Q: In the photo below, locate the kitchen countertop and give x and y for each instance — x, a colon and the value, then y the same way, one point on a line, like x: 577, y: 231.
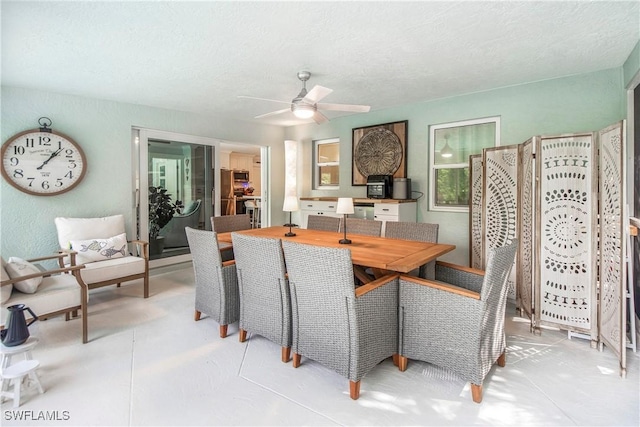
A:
x: 359, y: 200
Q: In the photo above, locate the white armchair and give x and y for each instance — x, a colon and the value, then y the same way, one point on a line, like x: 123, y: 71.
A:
x: 102, y: 247
x: 48, y: 293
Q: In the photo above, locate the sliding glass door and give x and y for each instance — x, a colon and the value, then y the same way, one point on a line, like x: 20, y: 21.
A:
x: 176, y: 189
x: 180, y: 177
x: 178, y: 184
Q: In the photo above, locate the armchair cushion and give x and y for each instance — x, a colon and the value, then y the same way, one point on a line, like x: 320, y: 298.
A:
x: 5, y: 291
x: 80, y: 228
x: 111, y: 269
x: 54, y: 294
x: 92, y: 250
x: 17, y: 267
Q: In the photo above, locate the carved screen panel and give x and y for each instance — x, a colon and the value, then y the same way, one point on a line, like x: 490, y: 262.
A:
x: 500, y: 204
x: 526, y: 210
x: 475, y: 212
x: 612, y: 245
x: 566, y: 168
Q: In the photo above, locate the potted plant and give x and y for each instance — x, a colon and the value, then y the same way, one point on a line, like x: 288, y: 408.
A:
x: 161, y: 210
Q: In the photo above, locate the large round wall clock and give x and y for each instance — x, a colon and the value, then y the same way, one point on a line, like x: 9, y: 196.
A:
x: 42, y: 162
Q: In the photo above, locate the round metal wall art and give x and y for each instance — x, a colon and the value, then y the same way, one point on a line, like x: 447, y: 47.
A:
x: 378, y: 153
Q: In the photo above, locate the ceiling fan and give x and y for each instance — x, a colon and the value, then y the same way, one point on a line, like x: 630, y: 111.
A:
x: 306, y: 105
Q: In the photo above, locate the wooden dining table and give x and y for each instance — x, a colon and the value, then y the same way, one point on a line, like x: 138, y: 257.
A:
x: 381, y: 253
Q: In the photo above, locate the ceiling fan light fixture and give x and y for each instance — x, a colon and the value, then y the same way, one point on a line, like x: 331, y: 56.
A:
x: 307, y: 104
x: 303, y: 111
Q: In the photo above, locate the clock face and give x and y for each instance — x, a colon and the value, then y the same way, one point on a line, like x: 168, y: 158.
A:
x: 42, y: 163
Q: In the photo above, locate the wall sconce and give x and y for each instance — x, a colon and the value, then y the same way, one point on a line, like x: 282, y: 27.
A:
x: 345, y: 207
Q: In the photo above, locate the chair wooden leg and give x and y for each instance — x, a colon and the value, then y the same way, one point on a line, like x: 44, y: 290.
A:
x: 85, y: 324
x: 296, y: 360
x: 476, y: 392
x: 354, y: 389
x: 402, y: 363
x: 197, y: 315
x: 146, y: 286
x: 67, y: 316
x: 396, y: 359
x: 223, y: 331
x: 118, y: 285
x: 243, y: 335
x: 502, y: 360
x: 286, y: 354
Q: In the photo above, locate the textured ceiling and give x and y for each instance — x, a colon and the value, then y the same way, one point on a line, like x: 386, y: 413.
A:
x: 199, y: 56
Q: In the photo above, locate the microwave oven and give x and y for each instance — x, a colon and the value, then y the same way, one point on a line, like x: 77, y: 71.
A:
x: 240, y: 175
x: 379, y: 186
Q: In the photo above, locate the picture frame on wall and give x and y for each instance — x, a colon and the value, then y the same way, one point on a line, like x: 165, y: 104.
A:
x: 379, y: 150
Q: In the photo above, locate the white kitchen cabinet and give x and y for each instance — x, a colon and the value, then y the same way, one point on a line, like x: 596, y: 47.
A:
x: 242, y: 162
x: 317, y: 207
x: 224, y: 160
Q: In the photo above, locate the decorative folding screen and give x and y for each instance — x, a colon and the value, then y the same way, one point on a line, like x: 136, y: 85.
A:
x: 565, y: 294
x: 612, y: 313
x: 476, y: 257
x: 553, y: 187
x: 500, y: 202
x: 527, y: 213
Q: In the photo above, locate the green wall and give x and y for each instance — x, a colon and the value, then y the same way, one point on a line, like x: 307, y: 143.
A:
x: 103, y: 130
x: 631, y: 65
x: 586, y: 102
x: 579, y: 103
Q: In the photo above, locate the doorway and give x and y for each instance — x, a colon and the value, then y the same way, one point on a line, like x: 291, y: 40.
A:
x: 177, y: 185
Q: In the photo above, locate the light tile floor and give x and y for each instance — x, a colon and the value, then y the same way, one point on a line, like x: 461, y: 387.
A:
x: 149, y: 363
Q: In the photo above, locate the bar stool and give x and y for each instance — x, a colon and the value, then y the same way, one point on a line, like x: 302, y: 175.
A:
x: 250, y: 208
x: 16, y: 373
x: 256, y: 213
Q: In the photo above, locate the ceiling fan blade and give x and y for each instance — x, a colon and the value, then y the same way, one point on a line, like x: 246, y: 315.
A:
x: 319, y: 118
x: 316, y: 94
x: 273, y: 113
x: 264, y: 99
x: 344, y: 107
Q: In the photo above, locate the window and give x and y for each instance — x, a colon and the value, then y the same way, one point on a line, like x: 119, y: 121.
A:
x: 451, y: 144
x: 326, y: 164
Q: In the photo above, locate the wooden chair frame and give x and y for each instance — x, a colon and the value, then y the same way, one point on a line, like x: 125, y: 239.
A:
x: 72, y: 269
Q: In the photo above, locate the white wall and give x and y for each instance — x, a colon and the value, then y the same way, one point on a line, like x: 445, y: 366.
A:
x: 103, y: 130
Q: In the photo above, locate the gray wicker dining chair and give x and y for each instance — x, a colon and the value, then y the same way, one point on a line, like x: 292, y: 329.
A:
x: 457, y: 323
x: 323, y: 223
x: 368, y: 227
x: 265, y: 306
x: 347, y: 330
x: 216, y: 281
x: 229, y: 223
x: 418, y: 231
